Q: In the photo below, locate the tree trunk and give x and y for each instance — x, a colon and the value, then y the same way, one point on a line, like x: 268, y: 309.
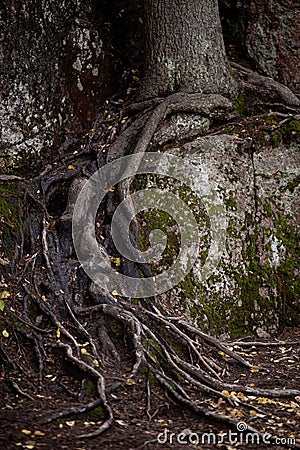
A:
x: 184, y: 49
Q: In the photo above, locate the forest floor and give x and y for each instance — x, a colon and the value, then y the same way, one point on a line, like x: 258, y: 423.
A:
x: 144, y: 424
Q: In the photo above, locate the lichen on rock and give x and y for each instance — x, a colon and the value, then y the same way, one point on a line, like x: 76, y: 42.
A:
x: 254, y: 288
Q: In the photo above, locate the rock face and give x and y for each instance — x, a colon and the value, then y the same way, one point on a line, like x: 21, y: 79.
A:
x: 268, y: 32
x: 273, y: 39
x: 55, y: 70
x: 255, y: 286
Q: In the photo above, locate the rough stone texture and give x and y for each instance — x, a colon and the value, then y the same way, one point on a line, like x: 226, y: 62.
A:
x: 273, y: 39
x: 268, y: 32
x: 254, y: 287
x: 55, y: 69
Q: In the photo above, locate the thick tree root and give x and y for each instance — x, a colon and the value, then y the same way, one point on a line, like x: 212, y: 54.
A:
x: 184, y: 360
x: 266, y: 86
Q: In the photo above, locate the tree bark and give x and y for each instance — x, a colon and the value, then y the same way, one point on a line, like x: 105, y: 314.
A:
x: 184, y: 49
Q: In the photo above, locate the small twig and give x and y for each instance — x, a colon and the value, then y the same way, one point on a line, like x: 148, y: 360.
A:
x: 262, y: 344
x: 288, y: 119
x: 19, y: 390
x: 12, y: 178
x: 45, y: 247
x: 281, y: 105
x: 8, y: 359
x: 148, y: 411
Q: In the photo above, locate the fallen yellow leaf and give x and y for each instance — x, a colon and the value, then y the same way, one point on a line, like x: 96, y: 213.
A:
x: 39, y: 433
x: 226, y: 393
x: 26, y: 431
x: 117, y: 261
x: 262, y: 400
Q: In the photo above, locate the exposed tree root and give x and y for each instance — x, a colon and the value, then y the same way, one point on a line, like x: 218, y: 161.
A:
x: 266, y: 86
x: 154, y: 337
x: 65, y: 307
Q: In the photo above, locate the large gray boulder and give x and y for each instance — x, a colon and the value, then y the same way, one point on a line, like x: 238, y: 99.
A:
x: 255, y: 285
